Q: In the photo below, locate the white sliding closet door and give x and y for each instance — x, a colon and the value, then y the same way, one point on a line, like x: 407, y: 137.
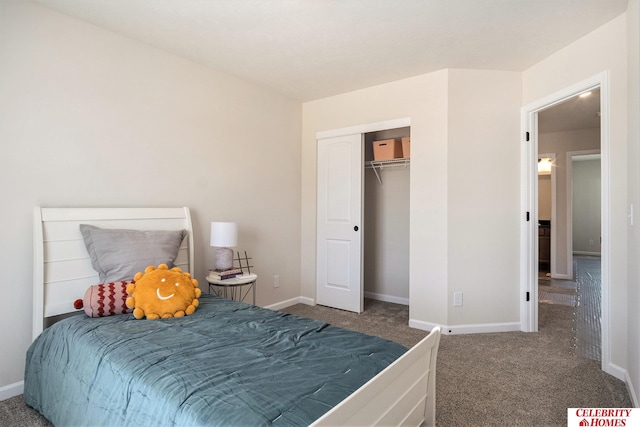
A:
x: 339, y: 223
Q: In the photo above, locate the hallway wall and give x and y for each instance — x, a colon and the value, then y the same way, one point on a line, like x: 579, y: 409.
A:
x: 561, y: 143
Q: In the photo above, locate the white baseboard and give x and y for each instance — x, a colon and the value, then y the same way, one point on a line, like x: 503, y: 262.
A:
x: 585, y: 253
x: 312, y: 302
x: 386, y: 298
x: 467, y: 329
x: 425, y: 326
x: 290, y: 302
x: 632, y: 391
x: 307, y: 301
x: 562, y: 276
x: 623, y: 375
x: 11, y: 390
x: 617, y: 371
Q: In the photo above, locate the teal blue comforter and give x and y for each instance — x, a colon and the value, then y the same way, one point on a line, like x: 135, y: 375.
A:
x: 228, y: 364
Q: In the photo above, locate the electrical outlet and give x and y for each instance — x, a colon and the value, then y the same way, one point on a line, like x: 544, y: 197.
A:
x: 457, y: 299
x: 276, y: 281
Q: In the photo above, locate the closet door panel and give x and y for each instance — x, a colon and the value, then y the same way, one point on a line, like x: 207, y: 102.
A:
x: 339, y: 223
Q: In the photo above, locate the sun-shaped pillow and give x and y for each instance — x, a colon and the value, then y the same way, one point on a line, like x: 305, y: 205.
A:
x: 163, y: 293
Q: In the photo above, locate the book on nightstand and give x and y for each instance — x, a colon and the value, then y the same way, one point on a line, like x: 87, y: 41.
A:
x: 224, y: 274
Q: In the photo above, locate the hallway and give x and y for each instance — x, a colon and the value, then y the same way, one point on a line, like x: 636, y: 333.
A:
x: 585, y: 296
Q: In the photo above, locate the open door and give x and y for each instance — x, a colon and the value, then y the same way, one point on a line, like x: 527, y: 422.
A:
x: 339, y: 223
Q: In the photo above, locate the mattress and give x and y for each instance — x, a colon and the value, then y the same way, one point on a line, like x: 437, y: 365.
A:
x: 229, y: 363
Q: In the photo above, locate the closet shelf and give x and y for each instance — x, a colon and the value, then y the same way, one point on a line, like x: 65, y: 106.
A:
x: 381, y: 164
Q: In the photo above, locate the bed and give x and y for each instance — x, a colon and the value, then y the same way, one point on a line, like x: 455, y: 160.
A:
x: 229, y: 363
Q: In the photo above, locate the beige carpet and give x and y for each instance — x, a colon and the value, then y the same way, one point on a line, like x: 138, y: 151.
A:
x: 498, y: 379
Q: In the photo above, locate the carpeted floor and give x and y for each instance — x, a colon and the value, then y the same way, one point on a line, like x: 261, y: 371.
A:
x: 499, y: 379
x: 14, y: 413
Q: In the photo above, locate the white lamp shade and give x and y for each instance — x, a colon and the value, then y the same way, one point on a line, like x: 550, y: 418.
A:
x: 224, y: 234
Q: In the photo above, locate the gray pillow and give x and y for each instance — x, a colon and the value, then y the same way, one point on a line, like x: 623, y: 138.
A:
x: 119, y: 254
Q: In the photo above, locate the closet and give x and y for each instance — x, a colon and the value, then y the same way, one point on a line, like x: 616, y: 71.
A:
x: 362, y: 220
x: 386, y: 221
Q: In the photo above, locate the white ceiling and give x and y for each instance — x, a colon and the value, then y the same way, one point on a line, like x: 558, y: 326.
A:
x: 578, y: 112
x: 310, y: 49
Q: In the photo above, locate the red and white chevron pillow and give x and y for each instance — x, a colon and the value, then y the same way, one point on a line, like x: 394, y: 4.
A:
x: 105, y: 299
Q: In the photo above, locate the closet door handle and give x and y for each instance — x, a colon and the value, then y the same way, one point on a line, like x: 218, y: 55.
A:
x: 355, y: 228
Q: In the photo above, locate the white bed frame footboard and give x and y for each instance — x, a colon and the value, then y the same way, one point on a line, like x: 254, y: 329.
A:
x: 402, y: 394
x: 62, y: 269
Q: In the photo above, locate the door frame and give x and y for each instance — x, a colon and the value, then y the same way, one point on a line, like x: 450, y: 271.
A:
x: 529, y: 205
x: 365, y: 128
x: 554, y: 216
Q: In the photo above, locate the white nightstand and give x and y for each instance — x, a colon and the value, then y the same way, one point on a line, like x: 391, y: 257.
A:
x: 233, y: 288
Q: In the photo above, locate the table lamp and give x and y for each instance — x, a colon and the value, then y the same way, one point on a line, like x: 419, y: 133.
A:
x: 223, y: 236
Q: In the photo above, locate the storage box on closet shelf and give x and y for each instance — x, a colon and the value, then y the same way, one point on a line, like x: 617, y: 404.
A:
x: 390, y: 153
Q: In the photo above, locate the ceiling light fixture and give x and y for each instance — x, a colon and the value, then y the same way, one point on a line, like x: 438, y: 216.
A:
x: 544, y: 166
x: 585, y: 94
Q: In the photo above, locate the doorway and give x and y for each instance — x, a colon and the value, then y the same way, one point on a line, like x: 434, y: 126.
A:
x: 567, y: 129
x: 569, y: 214
x: 561, y: 263
x: 386, y: 221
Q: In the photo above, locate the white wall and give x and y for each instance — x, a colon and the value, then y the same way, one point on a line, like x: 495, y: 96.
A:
x: 90, y: 118
x: 602, y: 50
x: 422, y: 98
x: 586, y: 208
x: 633, y: 300
x: 386, y: 238
x: 464, y: 215
x: 483, y: 199
x: 544, y: 197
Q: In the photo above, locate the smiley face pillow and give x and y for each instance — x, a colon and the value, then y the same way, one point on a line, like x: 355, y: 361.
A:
x: 163, y: 293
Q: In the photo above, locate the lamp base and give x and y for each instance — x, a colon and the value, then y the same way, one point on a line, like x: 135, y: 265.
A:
x: 223, y: 259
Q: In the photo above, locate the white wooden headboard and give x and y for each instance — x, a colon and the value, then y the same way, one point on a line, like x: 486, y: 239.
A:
x: 62, y: 268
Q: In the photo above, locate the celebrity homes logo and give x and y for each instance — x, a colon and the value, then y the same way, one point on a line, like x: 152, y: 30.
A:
x: 603, y: 417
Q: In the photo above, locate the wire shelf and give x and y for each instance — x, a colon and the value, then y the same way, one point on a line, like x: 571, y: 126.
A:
x: 381, y: 164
